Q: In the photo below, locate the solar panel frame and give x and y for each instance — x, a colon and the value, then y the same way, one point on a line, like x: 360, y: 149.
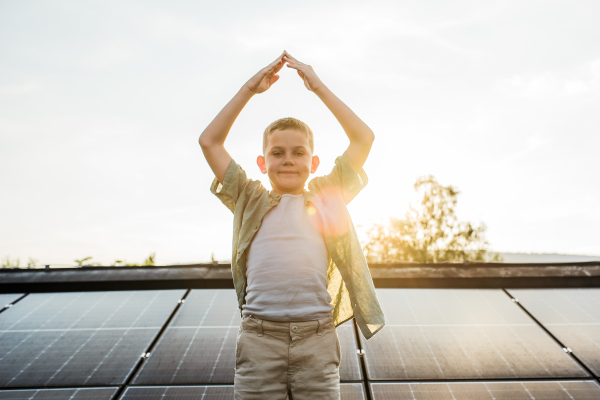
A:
x: 97, y: 393
x: 199, y: 347
x: 538, y: 390
x: 571, y: 315
x: 7, y: 299
x: 90, y: 339
x: 461, y: 334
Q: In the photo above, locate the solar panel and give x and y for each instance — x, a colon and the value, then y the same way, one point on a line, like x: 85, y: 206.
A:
x: 199, y: 345
x: 178, y: 393
x: 73, y: 339
x: 352, y: 391
x: 571, y: 315
x: 348, y: 391
x: 461, y: 334
x: 7, y: 299
x: 59, y: 394
x: 547, y: 390
x: 350, y: 366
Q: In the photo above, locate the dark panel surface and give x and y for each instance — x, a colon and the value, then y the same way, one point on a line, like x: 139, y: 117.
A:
x: 548, y: 390
x: 352, y: 391
x: 572, y: 315
x: 59, y: 394
x: 348, y: 391
x: 199, y: 345
x: 350, y: 369
x: 461, y: 334
x: 6, y: 299
x: 70, y: 339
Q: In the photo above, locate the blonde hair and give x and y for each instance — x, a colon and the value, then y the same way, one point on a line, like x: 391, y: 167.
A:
x: 289, y: 123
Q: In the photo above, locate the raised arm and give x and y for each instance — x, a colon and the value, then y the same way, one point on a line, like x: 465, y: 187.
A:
x: 212, y: 140
x: 360, y: 135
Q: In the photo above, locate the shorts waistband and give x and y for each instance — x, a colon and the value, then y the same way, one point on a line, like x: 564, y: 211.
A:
x: 260, y: 326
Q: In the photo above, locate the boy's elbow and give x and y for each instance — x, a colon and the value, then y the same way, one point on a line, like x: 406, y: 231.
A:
x: 369, y: 137
x: 204, y: 142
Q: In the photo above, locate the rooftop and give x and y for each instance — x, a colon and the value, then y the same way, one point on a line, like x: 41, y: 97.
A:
x: 453, y: 332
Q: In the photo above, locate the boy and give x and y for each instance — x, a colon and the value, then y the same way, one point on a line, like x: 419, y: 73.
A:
x: 298, y: 268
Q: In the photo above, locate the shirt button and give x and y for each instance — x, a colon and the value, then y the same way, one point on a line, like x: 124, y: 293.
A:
x: 294, y: 328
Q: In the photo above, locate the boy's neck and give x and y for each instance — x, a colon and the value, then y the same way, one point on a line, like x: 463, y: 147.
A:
x: 282, y: 192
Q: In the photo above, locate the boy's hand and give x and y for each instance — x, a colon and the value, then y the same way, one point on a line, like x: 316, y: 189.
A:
x: 266, y: 77
x: 310, y: 78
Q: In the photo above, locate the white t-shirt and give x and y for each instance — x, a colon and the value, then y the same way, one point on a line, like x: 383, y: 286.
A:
x: 286, y: 267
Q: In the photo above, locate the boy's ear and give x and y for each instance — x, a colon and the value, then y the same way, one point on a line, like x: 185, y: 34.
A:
x: 315, y: 164
x: 260, y: 161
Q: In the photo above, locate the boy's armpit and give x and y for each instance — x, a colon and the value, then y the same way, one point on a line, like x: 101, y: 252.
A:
x: 231, y: 188
x: 343, y: 176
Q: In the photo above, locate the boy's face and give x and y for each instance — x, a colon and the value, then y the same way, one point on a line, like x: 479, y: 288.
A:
x: 288, y: 161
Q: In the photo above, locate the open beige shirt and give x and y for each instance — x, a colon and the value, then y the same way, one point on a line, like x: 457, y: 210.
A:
x: 349, y: 280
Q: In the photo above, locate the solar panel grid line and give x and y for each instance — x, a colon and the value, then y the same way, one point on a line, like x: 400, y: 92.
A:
x: 465, y: 352
x: 152, y: 345
x: 546, y: 390
x: 206, y: 353
x: 9, y: 300
x: 485, y: 333
x: 348, y: 391
x: 518, y: 337
x: 194, y: 337
x: 32, y: 311
x: 571, y: 317
x: 51, y: 343
x: 581, y: 363
x: 425, y: 337
x: 212, y: 373
x: 92, y: 393
x: 352, y: 366
x: 453, y: 331
x: 116, y: 310
x: 84, y: 356
x: 121, y: 338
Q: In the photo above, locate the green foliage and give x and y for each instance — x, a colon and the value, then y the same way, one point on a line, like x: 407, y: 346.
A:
x: 8, y: 263
x: 150, y: 260
x: 429, y: 232
x: 86, y: 262
x: 147, y: 262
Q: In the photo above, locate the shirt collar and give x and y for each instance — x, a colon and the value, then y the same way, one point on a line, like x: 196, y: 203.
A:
x: 308, y: 196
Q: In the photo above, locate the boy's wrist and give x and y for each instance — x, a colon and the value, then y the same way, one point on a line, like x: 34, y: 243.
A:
x: 321, y: 89
x: 245, y: 91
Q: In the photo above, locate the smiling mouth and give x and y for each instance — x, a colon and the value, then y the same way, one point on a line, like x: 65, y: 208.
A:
x: 288, y: 172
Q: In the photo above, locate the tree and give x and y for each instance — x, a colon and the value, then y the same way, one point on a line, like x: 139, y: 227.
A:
x: 430, y: 232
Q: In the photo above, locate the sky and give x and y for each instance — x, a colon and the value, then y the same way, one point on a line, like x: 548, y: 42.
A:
x: 102, y: 104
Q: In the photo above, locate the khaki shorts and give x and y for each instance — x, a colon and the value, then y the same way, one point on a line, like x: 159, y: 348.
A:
x: 273, y: 359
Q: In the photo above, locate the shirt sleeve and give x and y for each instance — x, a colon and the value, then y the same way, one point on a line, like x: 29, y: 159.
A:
x: 344, y: 176
x: 233, y: 185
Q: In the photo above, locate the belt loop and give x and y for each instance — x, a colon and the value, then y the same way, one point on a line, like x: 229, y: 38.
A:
x: 259, y: 327
x: 320, y: 329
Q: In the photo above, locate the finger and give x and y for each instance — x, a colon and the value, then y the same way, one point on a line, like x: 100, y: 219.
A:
x: 290, y: 56
x: 279, y: 66
x: 301, y: 74
x: 273, y: 79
